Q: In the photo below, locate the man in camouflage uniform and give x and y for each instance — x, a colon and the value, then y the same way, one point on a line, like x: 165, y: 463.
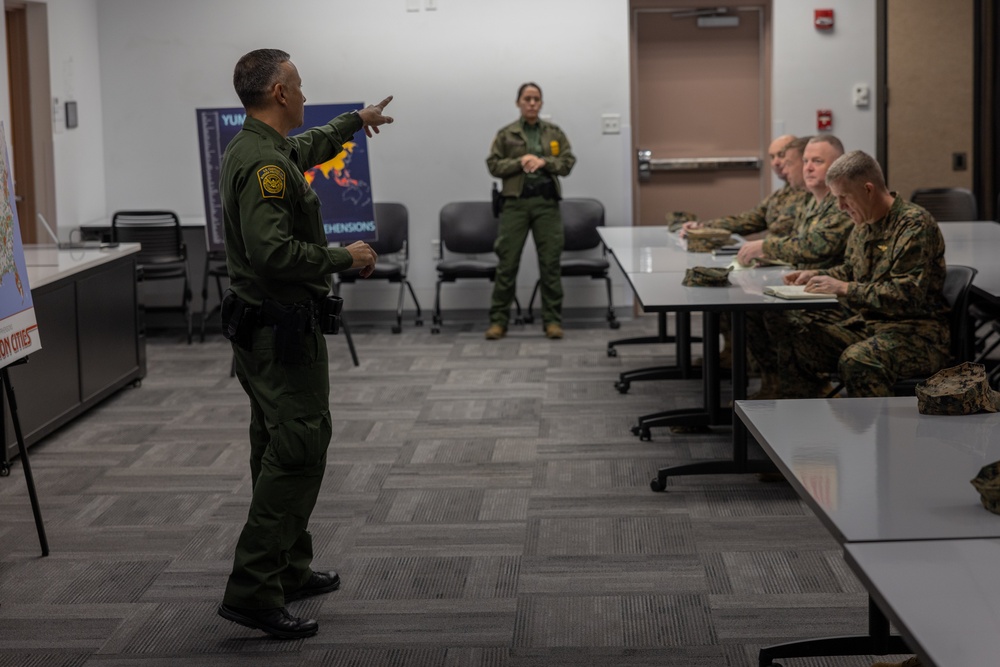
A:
x: 892, y: 320
x: 818, y: 241
x: 775, y: 216
x: 819, y: 234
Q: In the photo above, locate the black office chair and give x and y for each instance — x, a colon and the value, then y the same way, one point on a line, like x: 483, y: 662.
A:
x: 466, y: 228
x: 581, y: 218
x: 957, y: 286
x: 215, y: 268
x: 163, y: 255
x: 947, y: 204
x: 393, y: 224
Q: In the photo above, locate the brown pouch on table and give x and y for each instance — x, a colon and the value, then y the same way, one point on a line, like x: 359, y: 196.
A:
x: 676, y: 219
x: 706, y: 276
x: 987, y: 483
x: 706, y: 239
x: 959, y: 390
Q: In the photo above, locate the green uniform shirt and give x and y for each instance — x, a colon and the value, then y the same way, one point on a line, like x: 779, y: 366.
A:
x: 511, y: 144
x: 275, y: 244
x: 895, y: 269
x: 819, y: 237
x: 776, y: 214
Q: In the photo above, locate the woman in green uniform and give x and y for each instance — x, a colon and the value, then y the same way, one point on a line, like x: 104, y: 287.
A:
x: 529, y: 155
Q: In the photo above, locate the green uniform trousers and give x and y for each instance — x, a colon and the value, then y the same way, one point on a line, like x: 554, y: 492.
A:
x: 290, y: 430
x: 541, y: 216
x: 803, y: 346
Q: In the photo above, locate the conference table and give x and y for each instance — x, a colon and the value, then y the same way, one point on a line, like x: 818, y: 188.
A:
x: 892, y: 487
x: 654, y: 259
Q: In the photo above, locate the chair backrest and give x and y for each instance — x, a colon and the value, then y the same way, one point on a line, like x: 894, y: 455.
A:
x: 957, y: 285
x: 392, y: 221
x: 159, y: 232
x: 468, y: 227
x: 947, y: 204
x: 581, y: 218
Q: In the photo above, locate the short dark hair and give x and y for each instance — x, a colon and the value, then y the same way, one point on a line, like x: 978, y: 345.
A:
x: 530, y: 84
x: 255, y: 73
x: 856, y: 167
x: 829, y: 139
x: 798, y: 145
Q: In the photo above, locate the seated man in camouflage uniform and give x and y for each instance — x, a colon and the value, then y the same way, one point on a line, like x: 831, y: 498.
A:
x: 818, y: 241
x: 776, y: 214
x: 892, y: 317
x: 774, y: 217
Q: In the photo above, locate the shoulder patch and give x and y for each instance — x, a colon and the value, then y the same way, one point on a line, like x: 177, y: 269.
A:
x: 272, y: 182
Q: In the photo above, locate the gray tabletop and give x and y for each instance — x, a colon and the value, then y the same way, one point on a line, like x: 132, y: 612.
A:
x: 874, y: 469
x: 943, y: 596
x: 663, y: 291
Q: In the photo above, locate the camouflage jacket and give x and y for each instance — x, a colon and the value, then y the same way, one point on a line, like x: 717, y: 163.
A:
x: 818, y: 240
x: 895, y: 272
x: 776, y: 214
x: 510, y: 145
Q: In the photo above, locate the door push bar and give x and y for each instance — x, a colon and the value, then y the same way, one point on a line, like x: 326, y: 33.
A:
x: 649, y: 164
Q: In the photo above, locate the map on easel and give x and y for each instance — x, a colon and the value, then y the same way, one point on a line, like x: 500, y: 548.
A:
x: 18, y: 327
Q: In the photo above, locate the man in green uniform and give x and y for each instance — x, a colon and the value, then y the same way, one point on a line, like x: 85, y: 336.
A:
x: 892, y: 322
x: 529, y: 155
x: 280, y: 270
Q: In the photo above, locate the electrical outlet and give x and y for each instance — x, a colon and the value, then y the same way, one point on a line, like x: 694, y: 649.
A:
x: 611, y: 123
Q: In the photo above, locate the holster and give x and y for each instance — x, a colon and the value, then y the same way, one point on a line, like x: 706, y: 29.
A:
x: 291, y: 324
x: 239, y: 319
x: 329, y: 314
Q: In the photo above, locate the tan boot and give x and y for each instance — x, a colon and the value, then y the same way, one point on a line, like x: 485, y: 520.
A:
x: 495, y: 332
x: 553, y: 330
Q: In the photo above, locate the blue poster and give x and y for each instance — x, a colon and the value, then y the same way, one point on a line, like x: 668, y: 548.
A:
x: 343, y: 183
x: 18, y: 327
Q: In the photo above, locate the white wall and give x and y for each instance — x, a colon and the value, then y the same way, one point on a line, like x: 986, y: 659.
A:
x: 75, y: 74
x: 815, y: 69
x: 143, y: 66
x: 454, y: 73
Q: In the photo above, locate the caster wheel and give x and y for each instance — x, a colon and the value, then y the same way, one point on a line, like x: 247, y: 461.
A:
x: 5, y: 471
x: 528, y: 319
x: 636, y: 430
x: 612, y: 352
x: 645, y: 435
x: 615, y: 324
x: 622, y: 387
x: 656, y: 486
x: 419, y: 323
x: 397, y: 329
x: 435, y: 330
x: 136, y: 384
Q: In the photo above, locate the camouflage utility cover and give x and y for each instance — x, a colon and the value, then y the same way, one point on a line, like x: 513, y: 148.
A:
x: 707, y: 239
x: 987, y: 482
x: 706, y: 276
x: 959, y: 390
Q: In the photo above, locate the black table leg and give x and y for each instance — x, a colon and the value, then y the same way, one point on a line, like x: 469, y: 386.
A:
x: 878, y: 641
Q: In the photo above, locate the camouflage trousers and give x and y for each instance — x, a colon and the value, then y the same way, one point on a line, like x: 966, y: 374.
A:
x: 802, y: 347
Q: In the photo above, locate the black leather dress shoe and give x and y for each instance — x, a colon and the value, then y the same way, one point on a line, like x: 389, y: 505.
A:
x: 317, y: 584
x: 276, y: 622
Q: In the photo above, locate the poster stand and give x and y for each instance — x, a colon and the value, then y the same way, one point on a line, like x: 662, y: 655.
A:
x: 23, y: 451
